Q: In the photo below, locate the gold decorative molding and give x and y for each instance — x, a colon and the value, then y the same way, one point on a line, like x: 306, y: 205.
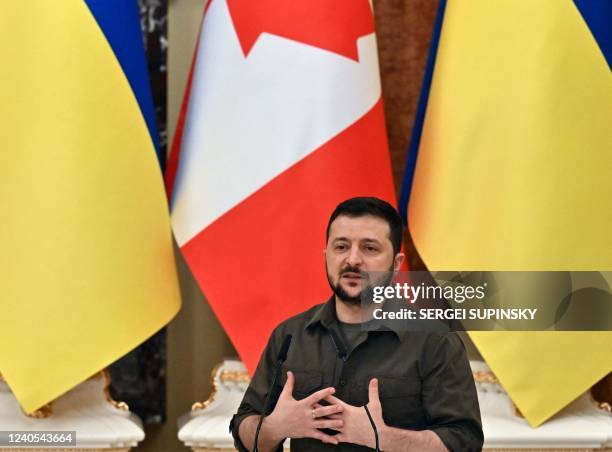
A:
x: 604, y: 406
x: 43, y: 412
x: 107, y: 382
x: 226, y: 376
x: 234, y: 376
x: 490, y: 378
x: 485, y: 377
x: 213, y: 393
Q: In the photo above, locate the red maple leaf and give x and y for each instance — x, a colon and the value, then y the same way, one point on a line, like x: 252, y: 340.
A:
x: 333, y: 25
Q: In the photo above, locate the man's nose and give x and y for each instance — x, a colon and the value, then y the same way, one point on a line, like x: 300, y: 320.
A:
x: 354, y: 258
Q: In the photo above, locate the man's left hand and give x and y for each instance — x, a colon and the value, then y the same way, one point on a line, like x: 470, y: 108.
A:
x: 356, y: 427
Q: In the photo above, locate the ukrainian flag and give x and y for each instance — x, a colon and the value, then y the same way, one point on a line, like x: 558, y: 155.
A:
x: 510, y: 168
x: 87, y: 269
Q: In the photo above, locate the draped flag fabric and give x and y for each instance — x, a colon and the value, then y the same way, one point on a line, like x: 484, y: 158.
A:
x: 281, y: 121
x: 87, y: 269
x: 514, y: 171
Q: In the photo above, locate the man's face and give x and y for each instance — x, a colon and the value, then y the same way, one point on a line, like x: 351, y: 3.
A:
x: 357, y: 245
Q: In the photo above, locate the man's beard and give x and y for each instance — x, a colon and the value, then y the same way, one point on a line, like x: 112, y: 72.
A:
x: 367, y: 293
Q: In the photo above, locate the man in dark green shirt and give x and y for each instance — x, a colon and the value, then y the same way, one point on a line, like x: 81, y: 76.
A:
x: 417, y: 385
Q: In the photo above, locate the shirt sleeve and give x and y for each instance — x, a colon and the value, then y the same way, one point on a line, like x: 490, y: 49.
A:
x: 449, y: 394
x: 255, y: 395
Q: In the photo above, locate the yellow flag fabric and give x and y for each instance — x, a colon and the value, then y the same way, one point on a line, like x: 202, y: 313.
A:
x: 514, y: 172
x: 87, y: 269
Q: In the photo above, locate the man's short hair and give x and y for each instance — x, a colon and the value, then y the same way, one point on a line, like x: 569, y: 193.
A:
x: 362, y: 206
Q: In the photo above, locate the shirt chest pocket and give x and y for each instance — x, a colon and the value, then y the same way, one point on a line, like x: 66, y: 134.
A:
x: 306, y: 382
x: 401, y: 401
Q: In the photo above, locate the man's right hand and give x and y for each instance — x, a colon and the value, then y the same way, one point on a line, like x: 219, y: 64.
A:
x: 299, y: 418
x: 293, y: 419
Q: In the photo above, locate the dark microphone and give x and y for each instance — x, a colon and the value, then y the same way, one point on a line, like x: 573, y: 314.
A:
x: 275, y: 389
x: 341, y: 350
x: 282, y: 355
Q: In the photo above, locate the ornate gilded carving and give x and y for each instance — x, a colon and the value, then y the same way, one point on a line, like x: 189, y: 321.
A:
x: 605, y: 406
x: 232, y: 376
x: 41, y: 413
x: 489, y: 377
x: 213, y: 393
x: 226, y: 376
x: 485, y: 377
x: 601, y: 392
x: 107, y: 381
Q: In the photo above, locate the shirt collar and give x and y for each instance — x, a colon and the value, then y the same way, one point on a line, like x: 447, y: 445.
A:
x: 326, y: 317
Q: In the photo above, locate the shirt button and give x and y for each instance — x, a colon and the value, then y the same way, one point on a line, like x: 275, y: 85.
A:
x: 342, y: 382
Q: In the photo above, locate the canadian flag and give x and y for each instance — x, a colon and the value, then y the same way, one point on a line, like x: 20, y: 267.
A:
x: 282, y: 119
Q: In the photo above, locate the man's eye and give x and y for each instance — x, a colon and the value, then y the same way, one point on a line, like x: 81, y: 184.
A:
x: 371, y: 249
x: 340, y: 247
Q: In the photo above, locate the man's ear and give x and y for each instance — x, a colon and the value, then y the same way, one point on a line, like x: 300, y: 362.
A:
x: 397, y: 261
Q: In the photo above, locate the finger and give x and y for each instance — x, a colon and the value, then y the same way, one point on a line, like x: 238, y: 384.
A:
x: 335, y: 416
x: 319, y: 395
x: 328, y: 423
x: 373, y: 392
x: 288, y: 388
x: 329, y: 439
x: 334, y: 400
x: 328, y: 410
x: 341, y: 437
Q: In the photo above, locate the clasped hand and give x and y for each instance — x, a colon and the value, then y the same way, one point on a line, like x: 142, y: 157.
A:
x: 293, y: 418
